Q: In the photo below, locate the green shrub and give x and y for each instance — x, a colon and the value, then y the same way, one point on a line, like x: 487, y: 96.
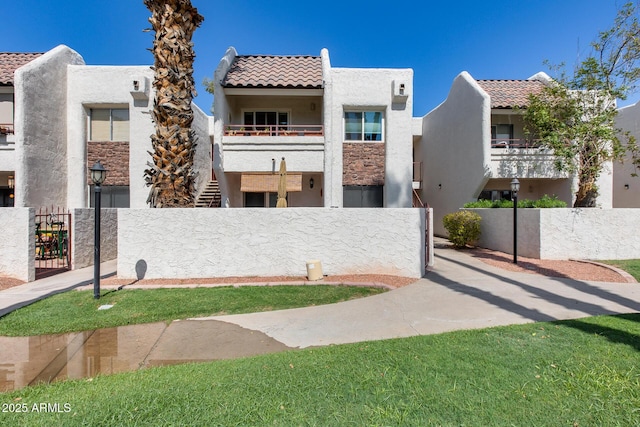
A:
x: 545, y: 201
x: 550, y: 202
x: 463, y: 227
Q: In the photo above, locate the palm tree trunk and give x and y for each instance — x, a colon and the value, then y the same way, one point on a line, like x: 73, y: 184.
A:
x: 170, y: 174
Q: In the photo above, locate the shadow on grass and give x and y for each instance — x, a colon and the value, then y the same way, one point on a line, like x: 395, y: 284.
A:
x: 612, y: 335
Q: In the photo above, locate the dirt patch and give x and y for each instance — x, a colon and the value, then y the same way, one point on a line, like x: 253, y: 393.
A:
x: 9, y: 282
x: 389, y: 280
x: 578, y: 270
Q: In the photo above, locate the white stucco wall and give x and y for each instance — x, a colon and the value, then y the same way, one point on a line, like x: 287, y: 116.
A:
x: 598, y: 234
x: 628, y: 119
x: 17, y: 226
x: 7, y: 154
x: 255, y: 153
x: 371, y: 89
x: 82, y: 236
x: 41, y: 129
x: 107, y: 87
x: 457, y: 161
x: 221, y: 111
x: 245, y: 242
x: 202, y: 158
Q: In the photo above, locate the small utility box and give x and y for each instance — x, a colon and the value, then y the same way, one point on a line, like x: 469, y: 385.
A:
x: 314, y: 270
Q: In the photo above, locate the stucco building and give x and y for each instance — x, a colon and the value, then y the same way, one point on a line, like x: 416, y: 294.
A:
x: 474, y: 144
x: 345, y: 134
x: 9, y: 63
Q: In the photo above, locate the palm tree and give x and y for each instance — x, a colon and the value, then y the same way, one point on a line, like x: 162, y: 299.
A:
x: 171, y: 175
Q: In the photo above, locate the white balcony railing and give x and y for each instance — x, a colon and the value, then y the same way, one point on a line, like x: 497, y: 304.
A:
x: 514, y: 143
x: 274, y: 130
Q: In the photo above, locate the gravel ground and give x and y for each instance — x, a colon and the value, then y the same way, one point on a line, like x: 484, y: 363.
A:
x: 578, y: 270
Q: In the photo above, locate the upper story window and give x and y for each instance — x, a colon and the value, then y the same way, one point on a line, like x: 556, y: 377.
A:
x: 109, y: 124
x: 268, y: 118
x: 363, y: 126
x: 502, y: 132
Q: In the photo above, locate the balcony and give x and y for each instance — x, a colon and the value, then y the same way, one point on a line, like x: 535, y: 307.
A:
x: 522, y: 158
x: 253, y: 147
x: 274, y: 130
x: 514, y: 143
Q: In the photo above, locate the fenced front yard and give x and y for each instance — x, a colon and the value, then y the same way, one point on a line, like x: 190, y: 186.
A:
x: 41, y: 242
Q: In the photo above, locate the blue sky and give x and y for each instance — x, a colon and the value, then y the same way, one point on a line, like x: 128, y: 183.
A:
x: 495, y: 39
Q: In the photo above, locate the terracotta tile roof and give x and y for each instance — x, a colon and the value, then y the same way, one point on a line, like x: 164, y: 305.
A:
x: 10, y: 62
x: 510, y: 93
x: 268, y: 71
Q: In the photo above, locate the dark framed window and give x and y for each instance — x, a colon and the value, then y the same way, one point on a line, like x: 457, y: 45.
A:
x: 261, y: 119
x: 363, y: 126
x: 502, y: 132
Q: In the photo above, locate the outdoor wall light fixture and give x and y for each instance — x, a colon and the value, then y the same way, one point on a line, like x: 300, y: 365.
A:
x: 515, y: 187
x: 311, y: 182
x: 439, y: 186
x: 626, y: 186
x: 12, y: 182
x: 98, y: 175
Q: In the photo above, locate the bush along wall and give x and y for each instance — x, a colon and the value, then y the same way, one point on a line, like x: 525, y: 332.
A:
x: 543, y: 202
x: 463, y: 227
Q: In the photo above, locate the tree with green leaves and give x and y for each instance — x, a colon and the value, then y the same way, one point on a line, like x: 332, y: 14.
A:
x: 575, y: 115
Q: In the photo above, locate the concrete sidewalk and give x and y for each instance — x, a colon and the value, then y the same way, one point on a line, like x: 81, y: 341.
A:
x: 13, y: 298
x: 460, y: 293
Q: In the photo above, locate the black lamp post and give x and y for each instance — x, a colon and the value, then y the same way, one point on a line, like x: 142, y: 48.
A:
x: 515, y: 187
x: 98, y: 175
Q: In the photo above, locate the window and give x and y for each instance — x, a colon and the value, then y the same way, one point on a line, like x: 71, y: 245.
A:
x: 363, y: 126
x: 260, y: 119
x: 109, y: 124
x: 502, y: 132
x: 260, y: 200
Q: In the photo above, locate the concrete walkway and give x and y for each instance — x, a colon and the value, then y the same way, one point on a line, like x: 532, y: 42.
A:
x: 460, y: 293
x: 13, y: 298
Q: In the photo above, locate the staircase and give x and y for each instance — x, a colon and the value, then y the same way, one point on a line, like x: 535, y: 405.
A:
x: 417, y: 202
x: 210, y: 197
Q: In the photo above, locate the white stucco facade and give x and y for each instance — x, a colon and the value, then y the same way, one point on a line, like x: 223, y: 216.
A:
x: 88, y: 91
x: 343, y: 89
x: 18, y: 246
x: 626, y: 187
x: 461, y: 160
x: 457, y: 162
x: 41, y: 129
x: 372, y: 90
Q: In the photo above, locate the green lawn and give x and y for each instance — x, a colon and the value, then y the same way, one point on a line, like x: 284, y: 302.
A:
x: 631, y: 266
x: 571, y: 373
x: 77, y: 310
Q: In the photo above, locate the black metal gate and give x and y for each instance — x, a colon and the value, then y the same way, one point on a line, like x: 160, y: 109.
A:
x: 53, y: 241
